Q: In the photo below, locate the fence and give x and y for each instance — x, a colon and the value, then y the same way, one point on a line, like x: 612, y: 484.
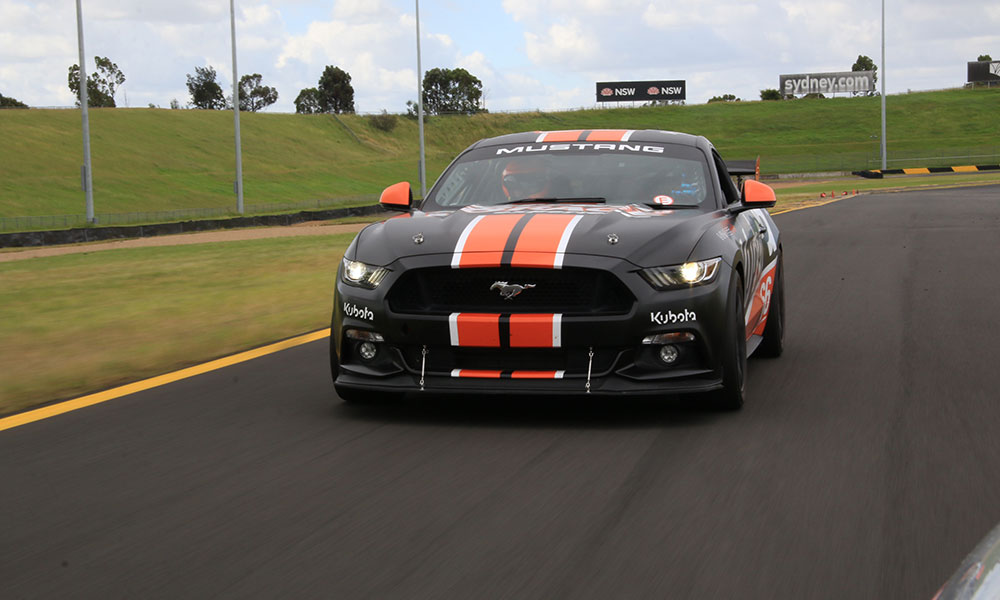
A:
x: 51, y: 222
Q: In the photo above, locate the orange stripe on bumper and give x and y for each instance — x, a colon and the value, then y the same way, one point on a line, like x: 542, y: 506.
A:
x: 537, y: 375
x: 476, y: 373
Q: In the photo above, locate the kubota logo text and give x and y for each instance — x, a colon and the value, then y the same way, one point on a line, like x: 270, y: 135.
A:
x: 670, y: 317
x: 358, y: 312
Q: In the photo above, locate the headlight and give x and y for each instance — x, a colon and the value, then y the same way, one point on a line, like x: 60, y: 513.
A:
x: 686, y: 275
x: 359, y: 274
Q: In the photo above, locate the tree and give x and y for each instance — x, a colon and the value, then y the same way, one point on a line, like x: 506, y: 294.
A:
x: 724, y: 98
x: 452, y: 91
x: 985, y: 57
x: 307, y: 102
x: 770, y: 94
x: 101, y: 84
x: 205, y: 91
x: 253, y: 95
x: 336, y: 95
x: 8, y: 102
x: 865, y: 63
x: 411, y: 109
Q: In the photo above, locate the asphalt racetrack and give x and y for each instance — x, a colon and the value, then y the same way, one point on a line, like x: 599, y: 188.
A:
x: 866, y: 463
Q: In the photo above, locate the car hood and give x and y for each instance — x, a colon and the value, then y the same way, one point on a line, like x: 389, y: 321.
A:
x: 643, y: 236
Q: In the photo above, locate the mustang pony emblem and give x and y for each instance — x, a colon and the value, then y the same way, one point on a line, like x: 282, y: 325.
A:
x: 509, y: 290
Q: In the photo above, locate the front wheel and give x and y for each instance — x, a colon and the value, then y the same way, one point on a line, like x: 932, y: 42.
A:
x: 773, y: 341
x: 734, y: 352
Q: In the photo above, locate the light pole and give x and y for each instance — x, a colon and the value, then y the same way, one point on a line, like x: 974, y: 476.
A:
x: 88, y: 180
x: 883, y: 86
x: 420, y: 110
x: 236, y: 112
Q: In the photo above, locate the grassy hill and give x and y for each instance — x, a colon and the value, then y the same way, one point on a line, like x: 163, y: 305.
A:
x: 158, y: 160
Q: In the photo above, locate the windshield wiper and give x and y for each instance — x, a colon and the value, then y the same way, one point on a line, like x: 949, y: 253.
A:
x: 587, y: 200
x: 670, y: 206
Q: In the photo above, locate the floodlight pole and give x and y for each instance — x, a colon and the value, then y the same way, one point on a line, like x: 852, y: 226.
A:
x: 236, y: 112
x: 883, y: 87
x: 420, y: 110
x: 88, y: 181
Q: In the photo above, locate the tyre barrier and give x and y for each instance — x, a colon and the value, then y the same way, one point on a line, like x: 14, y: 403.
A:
x: 879, y: 173
x: 94, y: 234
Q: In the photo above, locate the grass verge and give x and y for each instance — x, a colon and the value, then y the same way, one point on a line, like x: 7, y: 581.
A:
x: 77, y: 323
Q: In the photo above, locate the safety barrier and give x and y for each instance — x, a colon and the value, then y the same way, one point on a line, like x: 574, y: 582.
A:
x: 879, y: 173
x: 92, y: 234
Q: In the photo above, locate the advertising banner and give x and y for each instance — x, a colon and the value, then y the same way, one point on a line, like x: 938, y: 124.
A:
x: 981, y: 71
x: 631, y: 91
x: 826, y: 83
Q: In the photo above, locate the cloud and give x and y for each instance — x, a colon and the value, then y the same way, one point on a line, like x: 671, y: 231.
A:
x: 563, y: 43
x: 534, y: 54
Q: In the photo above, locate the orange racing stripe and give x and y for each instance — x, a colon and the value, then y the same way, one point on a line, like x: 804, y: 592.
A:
x: 492, y: 374
x: 561, y: 136
x: 606, y: 135
x: 543, y: 241
x: 537, y: 374
x: 482, y: 242
x: 535, y: 330
x: 476, y: 373
x: 474, y: 329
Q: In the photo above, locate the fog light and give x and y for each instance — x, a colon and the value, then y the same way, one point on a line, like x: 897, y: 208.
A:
x: 367, y: 350
x: 669, y: 354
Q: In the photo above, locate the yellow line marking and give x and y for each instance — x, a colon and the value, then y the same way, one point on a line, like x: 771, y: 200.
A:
x: 814, y: 205
x: 917, y: 171
x: 966, y: 169
x: 90, y: 400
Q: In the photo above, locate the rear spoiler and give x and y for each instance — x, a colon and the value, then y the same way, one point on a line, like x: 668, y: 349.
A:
x: 744, y: 168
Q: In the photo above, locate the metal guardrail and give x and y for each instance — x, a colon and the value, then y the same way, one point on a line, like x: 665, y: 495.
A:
x: 50, y: 222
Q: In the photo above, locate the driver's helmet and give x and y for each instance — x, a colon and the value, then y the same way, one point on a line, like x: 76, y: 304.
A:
x: 525, y: 178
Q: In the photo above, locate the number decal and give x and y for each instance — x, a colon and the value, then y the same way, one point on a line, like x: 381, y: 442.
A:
x: 764, y: 292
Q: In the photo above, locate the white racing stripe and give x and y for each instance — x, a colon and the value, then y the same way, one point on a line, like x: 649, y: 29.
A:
x: 456, y: 258
x: 564, y: 241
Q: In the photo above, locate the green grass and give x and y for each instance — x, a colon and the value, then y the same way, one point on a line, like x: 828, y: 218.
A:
x: 78, y: 323
x: 149, y: 160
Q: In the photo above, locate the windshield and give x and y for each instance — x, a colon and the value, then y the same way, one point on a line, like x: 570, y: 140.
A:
x: 657, y: 175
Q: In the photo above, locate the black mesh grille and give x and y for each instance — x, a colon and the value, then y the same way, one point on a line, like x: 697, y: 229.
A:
x: 566, y: 291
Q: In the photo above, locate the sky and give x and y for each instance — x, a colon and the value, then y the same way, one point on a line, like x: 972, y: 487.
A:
x: 529, y: 54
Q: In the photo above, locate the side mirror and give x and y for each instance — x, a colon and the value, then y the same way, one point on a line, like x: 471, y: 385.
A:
x: 755, y: 195
x: 397, y: 197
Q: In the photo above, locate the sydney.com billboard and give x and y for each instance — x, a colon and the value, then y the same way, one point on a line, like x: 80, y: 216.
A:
x: 826, y: 83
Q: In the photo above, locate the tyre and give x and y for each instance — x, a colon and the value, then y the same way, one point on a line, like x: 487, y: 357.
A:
x: 773, y: 342
x: 734, y: 352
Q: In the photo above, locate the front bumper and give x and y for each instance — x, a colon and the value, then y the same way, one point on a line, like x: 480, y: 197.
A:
x: 588, y: 353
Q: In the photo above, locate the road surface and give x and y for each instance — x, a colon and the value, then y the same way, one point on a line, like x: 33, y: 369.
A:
x: 866, y: 462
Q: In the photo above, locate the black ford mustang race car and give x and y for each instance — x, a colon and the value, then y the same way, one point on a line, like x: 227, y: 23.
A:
x: 605, y: 262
